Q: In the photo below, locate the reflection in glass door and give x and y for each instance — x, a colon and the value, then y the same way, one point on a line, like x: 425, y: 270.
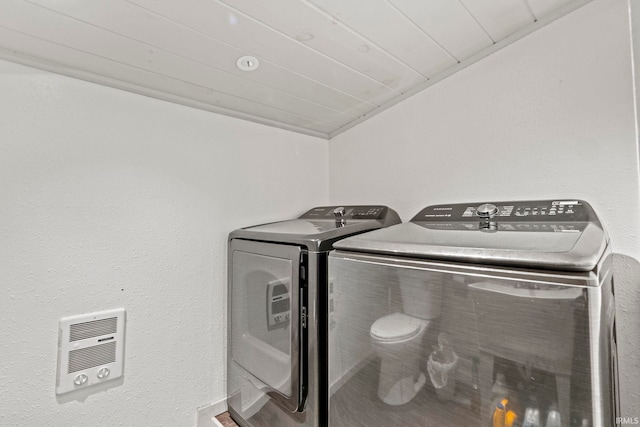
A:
x: 417, y: 343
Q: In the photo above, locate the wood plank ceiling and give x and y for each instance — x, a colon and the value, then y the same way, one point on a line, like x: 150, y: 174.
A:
x: 324, y: 65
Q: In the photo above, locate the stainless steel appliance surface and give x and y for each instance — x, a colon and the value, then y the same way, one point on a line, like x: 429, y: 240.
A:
x: 277, y: 297
x: 489, y: 314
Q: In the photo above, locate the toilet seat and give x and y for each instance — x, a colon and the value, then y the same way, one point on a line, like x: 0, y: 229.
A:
x: 395, y: 327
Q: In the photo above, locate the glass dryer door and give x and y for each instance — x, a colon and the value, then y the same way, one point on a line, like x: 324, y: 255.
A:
x: 267, y: 317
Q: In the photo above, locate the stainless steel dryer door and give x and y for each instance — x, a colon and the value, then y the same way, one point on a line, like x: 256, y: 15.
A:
x: 265, y: 317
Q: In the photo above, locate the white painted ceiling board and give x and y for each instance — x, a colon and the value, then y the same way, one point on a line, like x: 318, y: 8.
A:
x: 162, y: 34
x: 219, y: 21
x: 449, y: 23
x: 500, y: 18
x: 389, y: 29
x: 544, y: 7
x: 121, y: 49
x: 159, y: 86
x: 307, y: 24
x: 326, y: 65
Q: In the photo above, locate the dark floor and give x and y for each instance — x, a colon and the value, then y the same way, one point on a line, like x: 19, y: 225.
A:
x: 225, y: 420
x: 357, y: 404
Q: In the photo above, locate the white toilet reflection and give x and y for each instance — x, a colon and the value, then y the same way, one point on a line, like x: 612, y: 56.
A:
x: 397, y: 338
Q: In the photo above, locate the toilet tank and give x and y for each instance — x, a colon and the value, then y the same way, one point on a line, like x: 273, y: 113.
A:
x: 421, y: 292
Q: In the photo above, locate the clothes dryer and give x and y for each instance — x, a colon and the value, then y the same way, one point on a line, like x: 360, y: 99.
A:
x: 277, y: 300
x: 475, y: 314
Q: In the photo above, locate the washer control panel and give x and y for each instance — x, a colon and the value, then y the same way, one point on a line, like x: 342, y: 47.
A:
x: 538, y: 215
x: 346, y: 212
x: 541, y: 210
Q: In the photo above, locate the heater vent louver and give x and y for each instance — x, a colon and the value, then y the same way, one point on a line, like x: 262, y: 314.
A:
x: 81, y: 331
x: 91, y: 357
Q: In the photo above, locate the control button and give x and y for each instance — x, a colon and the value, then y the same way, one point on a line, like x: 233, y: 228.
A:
x: 104, y: 373
x: 278, y: 318
x: 80, y: 379
x: 339, y: 211
x: 487, y: 210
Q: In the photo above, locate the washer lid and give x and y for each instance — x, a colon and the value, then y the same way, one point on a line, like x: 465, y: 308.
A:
x: 396, y: 326
x: 550, y: 234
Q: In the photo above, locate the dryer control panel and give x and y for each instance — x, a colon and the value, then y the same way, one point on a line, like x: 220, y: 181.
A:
x: 372, y: 212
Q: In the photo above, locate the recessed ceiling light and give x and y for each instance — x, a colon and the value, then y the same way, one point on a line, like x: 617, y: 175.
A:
x: 247, y: 63
x: 304, y: 37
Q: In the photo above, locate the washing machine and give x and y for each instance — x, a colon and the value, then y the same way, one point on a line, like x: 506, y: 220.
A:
x: 475, y: 314
x: 277, y: 300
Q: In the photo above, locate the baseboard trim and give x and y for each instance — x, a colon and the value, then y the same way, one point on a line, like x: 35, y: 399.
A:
x: 207, y: 414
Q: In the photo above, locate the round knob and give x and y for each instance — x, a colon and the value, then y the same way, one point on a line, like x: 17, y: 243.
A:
x: 104, y: 373
x: 487, y: 210
x: 81, y: 379
x: 339, y: 211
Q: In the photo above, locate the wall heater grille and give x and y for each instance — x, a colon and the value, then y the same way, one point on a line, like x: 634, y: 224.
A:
x: 81, y: 331
x: 91, y: 357
x: 90, y: 350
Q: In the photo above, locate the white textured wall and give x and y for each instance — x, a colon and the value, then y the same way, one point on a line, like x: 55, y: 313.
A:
x: 110, y: 199
x: 549, y: 116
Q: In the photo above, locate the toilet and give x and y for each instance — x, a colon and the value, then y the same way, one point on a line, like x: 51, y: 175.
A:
x: 397, y: 337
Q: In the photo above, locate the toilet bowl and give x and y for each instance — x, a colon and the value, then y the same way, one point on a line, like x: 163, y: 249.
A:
x: 397, y: 340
